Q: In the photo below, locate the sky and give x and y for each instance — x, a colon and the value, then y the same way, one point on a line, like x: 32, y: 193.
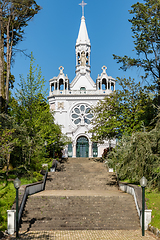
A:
x: 51, y: 36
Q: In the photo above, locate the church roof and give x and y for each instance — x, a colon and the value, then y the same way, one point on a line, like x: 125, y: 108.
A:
x: 83, y: 34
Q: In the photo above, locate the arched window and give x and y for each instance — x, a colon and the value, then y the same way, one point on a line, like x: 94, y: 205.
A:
x: 104, y: 84
x: 79, y: 59
x: 66, y: 85
x: 112, y: 86
x: 61, y: 84
x: 52, y: 87
x: 69, y: 150
x: 87, y: 58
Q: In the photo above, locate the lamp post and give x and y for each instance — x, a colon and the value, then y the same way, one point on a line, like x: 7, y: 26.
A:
x: 143, y: 183
x: 17, y: 184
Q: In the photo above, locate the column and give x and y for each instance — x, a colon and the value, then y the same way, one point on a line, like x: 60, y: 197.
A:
x: 64, y: 86
x: 90, y: 149
x: 76, y: 59
x: 67, y: 85
x: 50, y: 88
x: 74, y: 150
x: 58, y: 85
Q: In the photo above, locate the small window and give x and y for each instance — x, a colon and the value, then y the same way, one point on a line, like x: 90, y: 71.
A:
x: 87, y: 58
x: 82, y: 89
x: 79, y: 59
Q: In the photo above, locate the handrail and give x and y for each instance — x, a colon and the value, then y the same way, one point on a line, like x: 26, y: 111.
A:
x: 26, y: 190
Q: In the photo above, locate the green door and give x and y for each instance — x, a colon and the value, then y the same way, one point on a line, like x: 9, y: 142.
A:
x: 82, y: 147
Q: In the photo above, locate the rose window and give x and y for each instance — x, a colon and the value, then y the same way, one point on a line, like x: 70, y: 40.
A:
x: 81, y: 114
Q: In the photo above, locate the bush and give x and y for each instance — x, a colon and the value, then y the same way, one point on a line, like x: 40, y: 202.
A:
x: 12, y: 176
x: 37, y: 176
x: 106, y: 152
x: 137, y: 156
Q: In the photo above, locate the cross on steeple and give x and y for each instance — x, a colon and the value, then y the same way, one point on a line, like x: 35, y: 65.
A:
x: 82, y: 4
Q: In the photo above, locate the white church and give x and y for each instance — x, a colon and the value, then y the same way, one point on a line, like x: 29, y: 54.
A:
x: 72, y: 102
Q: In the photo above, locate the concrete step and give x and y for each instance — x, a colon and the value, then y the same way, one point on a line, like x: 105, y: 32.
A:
x: 73, y: 213
x: 82, y: 196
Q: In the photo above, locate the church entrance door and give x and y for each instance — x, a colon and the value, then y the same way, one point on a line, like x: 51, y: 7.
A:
x: 82, y: 147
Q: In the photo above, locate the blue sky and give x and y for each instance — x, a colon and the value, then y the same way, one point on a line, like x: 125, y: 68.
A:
x: 52, y: 34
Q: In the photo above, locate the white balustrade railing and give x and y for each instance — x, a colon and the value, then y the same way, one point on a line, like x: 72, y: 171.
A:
x: 80, y: 92
x: 135, y: 191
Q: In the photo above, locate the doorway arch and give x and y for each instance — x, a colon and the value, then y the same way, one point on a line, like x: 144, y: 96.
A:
x: 82, y: 147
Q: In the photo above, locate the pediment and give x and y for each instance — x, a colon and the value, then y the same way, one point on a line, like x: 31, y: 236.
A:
x: 83, y: 80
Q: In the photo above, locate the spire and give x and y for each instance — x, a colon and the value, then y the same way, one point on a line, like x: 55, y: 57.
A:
x: 83, y: 34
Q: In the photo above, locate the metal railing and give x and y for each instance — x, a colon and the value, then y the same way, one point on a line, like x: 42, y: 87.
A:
x: 29, y: 190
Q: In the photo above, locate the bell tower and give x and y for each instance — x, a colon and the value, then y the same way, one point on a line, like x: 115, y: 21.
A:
x: 83, y: 47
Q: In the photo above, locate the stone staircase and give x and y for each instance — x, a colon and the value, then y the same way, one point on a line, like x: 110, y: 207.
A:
x: 82, y: 196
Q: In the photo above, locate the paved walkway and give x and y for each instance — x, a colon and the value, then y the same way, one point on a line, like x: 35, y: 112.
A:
x: 88, y: 235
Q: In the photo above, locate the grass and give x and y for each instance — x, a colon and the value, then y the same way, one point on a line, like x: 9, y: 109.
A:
x: 7, y: 196
x: 153, y: 202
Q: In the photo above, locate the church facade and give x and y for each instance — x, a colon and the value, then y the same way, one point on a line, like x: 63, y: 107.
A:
x: 72, y: 102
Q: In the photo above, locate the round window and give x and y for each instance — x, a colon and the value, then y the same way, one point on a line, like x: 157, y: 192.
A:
x: 81, y: 114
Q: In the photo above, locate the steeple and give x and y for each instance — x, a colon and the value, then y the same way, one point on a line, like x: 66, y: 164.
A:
x: 83, y: 34
x: 83, y: 46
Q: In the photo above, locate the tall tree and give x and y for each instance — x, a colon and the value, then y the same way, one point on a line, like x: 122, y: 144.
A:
x: 31, y: 110
x: 124, y: 111
x: 15, y: 16
x: 138, y: 155
x: 146, y: 35
x: 2, y: 88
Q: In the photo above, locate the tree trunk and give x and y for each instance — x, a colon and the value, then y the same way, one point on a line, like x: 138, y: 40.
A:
x: 9, y: 55
x: 2, y: 85
x: 159, y: 87
x: 8, y: 161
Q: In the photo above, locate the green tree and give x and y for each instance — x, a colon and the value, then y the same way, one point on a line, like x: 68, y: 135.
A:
x: 7, y: 143
x: 32, y: 112
x: 146, y: 35
x: 9, y: 138
x: 123, y: 111
x: 138, y: 155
